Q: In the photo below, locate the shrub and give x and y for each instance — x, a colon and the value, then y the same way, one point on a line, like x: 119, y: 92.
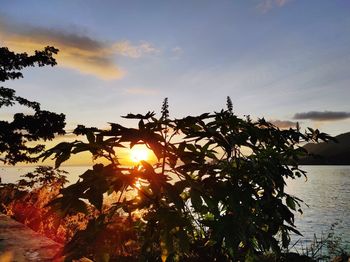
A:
x: 26, y: 202
x: 216, y: 191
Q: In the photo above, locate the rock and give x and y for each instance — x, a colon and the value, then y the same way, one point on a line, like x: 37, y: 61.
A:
x: 20, y: 243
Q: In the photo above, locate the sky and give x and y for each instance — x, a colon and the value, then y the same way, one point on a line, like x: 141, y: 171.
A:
x: 285, y: 60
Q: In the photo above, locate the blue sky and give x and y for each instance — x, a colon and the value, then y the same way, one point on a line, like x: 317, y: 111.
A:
x: 274, y: 58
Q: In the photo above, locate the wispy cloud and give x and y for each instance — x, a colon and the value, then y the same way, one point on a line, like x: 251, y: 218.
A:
x: 284, y: 123
x: 125, y: 48
x: 176, y: 52
x: 323, y: 116
x: 77, y: 51
x: 266, y: 5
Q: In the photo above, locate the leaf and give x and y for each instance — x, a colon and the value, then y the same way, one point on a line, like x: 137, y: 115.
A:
x: 141, y: 124
x: 293, y: 230
x: 90, y: 137
x: 196, y: 199
x: 174, y: 195
x: 95, y: 197
x: 67, y: 205
x: 285, y: 238
x: 253, y: 140
x: 80, y: 148
x: 139, y: 116
x: 181, y: 185
x: 290, y: 202
x: 148, y: 167
x: 184, y: 242
x: 61, y: 158
x: 191, y: 147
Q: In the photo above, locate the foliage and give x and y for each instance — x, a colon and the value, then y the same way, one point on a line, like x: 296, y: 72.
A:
x: 43, y: 176
x: 215, y: 193
x: 229, y: 104
x: 42, y: 125
x: 27, y: 199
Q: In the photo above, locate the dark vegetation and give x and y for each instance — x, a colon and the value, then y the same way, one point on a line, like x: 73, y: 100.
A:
x: 330, y: 153
x: 26, y: 202
x: 215, y: 193
x: 41, y: 125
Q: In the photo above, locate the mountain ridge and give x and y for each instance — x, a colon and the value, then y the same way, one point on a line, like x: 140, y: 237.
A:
x: 329, y: 153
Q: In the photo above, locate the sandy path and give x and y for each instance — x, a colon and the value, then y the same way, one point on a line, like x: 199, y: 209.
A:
x: 19, y: 243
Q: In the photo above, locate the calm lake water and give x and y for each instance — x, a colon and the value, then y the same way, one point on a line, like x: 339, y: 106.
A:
x: 326, y: 192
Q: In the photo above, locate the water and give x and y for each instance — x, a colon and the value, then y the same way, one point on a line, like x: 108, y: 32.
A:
x: 326, y: 192
x: 13, y: 173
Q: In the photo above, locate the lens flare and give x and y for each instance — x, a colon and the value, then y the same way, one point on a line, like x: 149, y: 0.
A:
x: 139, y: 153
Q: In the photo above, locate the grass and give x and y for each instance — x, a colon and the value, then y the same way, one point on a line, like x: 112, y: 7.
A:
x: 323, y: 248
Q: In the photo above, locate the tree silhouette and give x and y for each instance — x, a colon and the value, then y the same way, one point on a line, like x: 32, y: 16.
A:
x: 41, y: 125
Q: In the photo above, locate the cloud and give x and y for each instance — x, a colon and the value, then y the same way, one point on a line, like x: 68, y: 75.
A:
x: 176, y: 52
x: 266, y: 5
x: 284, y: 124
x: 322, y: 116
x: 77, y: 51
x: 125, y: 48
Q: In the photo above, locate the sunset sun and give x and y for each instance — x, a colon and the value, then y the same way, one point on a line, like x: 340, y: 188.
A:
x: 139, y: 153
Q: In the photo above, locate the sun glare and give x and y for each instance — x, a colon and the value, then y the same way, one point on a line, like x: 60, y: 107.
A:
x: 139, y: 153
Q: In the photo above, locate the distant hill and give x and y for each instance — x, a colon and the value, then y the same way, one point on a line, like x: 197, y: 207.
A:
x: 329, y: 153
